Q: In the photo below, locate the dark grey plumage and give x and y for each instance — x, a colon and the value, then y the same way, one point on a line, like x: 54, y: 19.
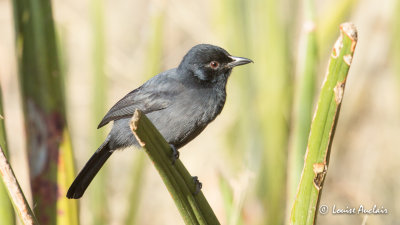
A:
x: 180, y: 102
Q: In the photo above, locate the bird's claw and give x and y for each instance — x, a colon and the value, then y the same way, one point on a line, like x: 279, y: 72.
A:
x: 198, y: 185
x: 175, y: 154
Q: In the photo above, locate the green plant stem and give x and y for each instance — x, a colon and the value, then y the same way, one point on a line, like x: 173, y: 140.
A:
x: 194, y: 208
x: 98, y: 194
x: 15, y: 192
x: 42, y: 86
x: 323, y: 128
x: 303, y: 100
x: 274, y: 86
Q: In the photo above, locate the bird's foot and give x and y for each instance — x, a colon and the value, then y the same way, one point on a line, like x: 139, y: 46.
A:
x: 175, y: 154
x: 198, y: 185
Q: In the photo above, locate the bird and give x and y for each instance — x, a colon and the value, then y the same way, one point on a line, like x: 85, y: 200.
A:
x: 180, y: 102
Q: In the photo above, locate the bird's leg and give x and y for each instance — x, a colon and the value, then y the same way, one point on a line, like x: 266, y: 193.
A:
x: 175, y: 154
x: 198, y: 185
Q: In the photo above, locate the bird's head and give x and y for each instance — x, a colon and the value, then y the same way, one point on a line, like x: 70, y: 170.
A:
x: 210, y: 63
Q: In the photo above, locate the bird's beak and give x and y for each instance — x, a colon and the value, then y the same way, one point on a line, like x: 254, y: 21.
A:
x: 237, y: 61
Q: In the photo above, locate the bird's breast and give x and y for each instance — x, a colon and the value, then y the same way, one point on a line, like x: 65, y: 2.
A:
x: 212, y: 107
x: 188, y: 115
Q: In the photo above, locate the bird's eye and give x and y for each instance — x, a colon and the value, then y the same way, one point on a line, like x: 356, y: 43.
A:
x: 214, y: 64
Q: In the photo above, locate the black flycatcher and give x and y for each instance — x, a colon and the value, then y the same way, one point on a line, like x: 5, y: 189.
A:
x: 180, y: 102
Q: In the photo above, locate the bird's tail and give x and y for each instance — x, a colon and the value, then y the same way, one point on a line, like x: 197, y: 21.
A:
x: 89, y: 171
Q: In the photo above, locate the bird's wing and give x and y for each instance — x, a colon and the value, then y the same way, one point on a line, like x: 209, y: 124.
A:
x: 156, y: 94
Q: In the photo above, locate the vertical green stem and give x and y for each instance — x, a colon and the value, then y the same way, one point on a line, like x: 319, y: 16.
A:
x: 304, y: 209
x: 273, y: 62
x: 303, y: 99
x: 48, y: 140
x: 98, y: 193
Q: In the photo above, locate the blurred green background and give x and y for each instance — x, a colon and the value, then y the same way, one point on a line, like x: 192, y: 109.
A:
x: 246, y: 159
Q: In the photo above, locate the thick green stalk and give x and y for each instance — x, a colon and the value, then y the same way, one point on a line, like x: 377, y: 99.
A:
x: 194, y: 208
x: 303, y: 100
x: 98, y: 200
x: 48, y: 140
x: 323, y: 128
x: 15, y: 193
x: 273, y: 63
x: 6, y: 211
